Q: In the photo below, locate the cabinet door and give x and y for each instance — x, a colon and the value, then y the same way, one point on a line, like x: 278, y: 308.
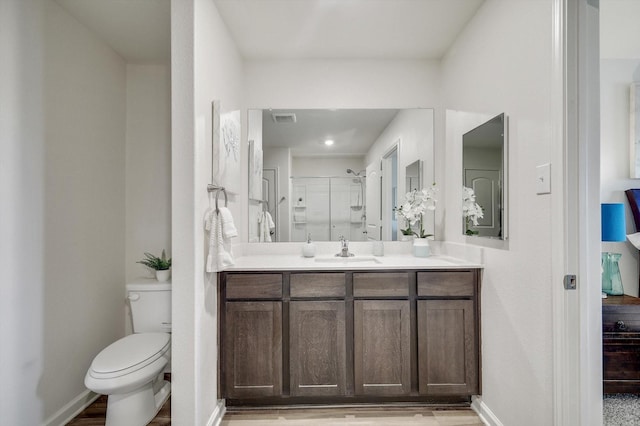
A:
x: 317, y: 348
x: 447, y: 348
x: 253, y: 349
x: 382, y: 345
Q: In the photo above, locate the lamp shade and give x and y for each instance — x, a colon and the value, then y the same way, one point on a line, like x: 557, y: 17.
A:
x: 613, y: 222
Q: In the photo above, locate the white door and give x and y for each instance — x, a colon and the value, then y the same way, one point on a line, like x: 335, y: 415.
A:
x: 486, y: 185
x: 373, y: 201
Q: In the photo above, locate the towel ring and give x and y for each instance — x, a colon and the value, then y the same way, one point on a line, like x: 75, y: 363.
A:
x: 226, y: 200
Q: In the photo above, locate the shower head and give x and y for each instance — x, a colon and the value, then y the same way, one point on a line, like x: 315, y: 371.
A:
x: 357, y: 175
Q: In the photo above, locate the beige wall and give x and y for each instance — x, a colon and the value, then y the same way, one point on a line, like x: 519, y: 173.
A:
x: 84, y: 240
x: 79, y: 125
x: 502, y: 63
x: 205, y: 66
x: 148, y: 165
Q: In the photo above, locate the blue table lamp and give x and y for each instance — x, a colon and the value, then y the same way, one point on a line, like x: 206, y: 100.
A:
x: 614, y: 230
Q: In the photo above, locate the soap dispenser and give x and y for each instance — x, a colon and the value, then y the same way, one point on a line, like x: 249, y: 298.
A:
x: 309, y: 249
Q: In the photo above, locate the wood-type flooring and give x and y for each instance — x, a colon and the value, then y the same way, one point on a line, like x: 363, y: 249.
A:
x: 94, y: 415
x: 369, y: 416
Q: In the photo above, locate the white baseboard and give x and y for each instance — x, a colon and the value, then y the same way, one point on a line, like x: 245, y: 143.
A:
x: 72, y: 409
x: 218, y: 414
x: 484, y: 412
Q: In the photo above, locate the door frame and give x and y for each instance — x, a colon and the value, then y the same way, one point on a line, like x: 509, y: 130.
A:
x: 386, y: 198
x: 575, y: 248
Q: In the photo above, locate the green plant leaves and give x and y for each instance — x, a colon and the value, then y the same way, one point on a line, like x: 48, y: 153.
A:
x: 154, y: 262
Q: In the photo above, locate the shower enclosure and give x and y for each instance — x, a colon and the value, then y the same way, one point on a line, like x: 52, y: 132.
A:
x: 328, y: 207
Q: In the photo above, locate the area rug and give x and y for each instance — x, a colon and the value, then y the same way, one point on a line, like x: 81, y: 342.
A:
x: 620, y: 409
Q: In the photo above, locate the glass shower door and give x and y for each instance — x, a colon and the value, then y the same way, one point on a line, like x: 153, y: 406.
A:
x: 311, y: 209
x: 347, y: 209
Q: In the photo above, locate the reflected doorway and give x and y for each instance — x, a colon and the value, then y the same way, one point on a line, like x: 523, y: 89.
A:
x: 390, y: 194
x: 270, y: 197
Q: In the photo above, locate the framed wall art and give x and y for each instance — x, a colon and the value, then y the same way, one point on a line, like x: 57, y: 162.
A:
x: 226, y: 133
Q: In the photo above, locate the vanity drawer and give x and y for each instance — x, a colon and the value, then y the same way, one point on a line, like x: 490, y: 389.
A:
x: 380, y: 284
x: 317, y: 285
x: 450, y: 283
x: 254, y: 286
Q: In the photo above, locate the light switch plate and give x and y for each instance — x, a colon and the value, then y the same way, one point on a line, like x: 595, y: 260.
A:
x: 543, y: 179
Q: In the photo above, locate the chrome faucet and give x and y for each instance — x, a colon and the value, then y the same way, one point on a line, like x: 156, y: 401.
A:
x: 344, y: 248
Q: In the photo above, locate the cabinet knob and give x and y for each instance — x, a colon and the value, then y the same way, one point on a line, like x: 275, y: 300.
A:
x: 620, y: 325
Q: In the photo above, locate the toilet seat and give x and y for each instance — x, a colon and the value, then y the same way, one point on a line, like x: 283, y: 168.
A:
x: 129, y: 354
x: 129, y: 363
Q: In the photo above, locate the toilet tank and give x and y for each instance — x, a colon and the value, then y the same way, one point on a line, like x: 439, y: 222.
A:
x: 150, y: 306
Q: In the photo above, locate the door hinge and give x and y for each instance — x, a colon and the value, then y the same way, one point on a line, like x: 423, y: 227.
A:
x: 570, y: 282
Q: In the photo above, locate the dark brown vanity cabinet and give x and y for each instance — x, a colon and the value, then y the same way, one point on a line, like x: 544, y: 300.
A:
x: 381, y: 338
x: 349, y: 336
x: 317, y: 334
x: 252, y: 335
x: 382, y: 334
x: 253, y: 349
x: 448, y: 343
x: 317, y: 348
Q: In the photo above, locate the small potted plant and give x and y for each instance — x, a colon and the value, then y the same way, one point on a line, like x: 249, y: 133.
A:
x: 417, y: 203
x: 407, y: 233
x: 161, y: 265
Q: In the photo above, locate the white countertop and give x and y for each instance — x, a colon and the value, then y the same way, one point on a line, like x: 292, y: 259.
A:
x: 397, y: 255
x: 364, y: 262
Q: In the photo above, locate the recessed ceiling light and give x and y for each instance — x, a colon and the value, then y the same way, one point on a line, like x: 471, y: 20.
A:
x: 328, y: 142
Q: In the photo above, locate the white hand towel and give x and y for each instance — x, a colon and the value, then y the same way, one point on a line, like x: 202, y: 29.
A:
x: 265, y: 224
x: 210, y: 225
x: 207, y: 218
x: 228, y: 227
x: 225, y: 256
x: 220, y: 253
x: 269, y: 221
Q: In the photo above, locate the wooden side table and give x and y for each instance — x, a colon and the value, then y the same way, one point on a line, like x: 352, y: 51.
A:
x: 621, y: 344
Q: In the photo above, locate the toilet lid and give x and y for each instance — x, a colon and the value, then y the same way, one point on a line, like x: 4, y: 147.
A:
x: 131, y: 353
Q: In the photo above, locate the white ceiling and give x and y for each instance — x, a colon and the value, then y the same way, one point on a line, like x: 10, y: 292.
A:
x: 387, y: 29
x: 352, y: 130
x: 138, y: 30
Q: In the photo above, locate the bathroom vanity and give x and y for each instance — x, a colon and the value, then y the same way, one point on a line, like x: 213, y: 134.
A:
x: 323, y: 333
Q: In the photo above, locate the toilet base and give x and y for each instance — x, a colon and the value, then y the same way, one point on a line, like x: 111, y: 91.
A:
x: 139, y: 407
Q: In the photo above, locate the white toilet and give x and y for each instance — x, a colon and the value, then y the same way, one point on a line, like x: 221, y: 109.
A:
x: 131, y: 370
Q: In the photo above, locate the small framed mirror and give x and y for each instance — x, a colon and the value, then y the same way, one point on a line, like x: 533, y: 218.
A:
x: 413, y: 176
x: 484, y: 165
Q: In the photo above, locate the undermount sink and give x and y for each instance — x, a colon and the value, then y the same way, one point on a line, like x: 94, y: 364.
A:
x: 353, y: 259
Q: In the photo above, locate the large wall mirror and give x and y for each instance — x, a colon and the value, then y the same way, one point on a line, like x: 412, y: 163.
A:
x: 334, y: 172
x: 484, y: 164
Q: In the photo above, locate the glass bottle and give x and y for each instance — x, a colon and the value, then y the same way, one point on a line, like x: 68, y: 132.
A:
x: 611, y: 279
